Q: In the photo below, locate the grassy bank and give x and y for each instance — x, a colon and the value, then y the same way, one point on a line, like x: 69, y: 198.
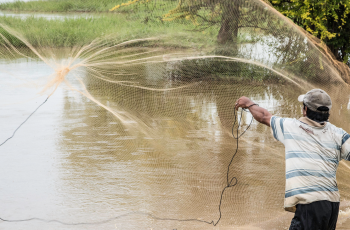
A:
x: 61, y: 6
x: 76, y: 31
x: 131, y: 22
x: 86, y: 6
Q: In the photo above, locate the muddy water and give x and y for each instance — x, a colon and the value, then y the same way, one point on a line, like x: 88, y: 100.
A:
x: 75, y: 163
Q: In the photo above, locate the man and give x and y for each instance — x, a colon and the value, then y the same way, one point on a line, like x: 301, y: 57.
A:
x: 313, y: 149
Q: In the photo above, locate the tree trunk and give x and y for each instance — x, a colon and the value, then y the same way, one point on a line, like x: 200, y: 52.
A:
x: 229, y: 23
x: 335, y: 51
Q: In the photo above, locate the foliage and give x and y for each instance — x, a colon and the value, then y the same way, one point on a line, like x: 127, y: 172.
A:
x: 185, y: 9
x: 129, y: 3
x: 226, y: 15
x: 328, y: 20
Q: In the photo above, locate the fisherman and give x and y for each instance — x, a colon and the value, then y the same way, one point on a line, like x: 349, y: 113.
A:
x: 313, y: 149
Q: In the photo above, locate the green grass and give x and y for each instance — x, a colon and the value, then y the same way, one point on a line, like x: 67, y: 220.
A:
x: 131, y: 22
x: 61, y: 5
x: 76, y: 5
x: 77, y: 31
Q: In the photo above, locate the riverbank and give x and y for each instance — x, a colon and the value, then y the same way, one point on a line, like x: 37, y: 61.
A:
x: 138, y: 21
x: 61, y: 6
x: 131, y: 22
x: 70, y: 32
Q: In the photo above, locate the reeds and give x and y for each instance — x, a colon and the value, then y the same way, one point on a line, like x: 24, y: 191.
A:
x: 70, y: 32
x: 61, y: 6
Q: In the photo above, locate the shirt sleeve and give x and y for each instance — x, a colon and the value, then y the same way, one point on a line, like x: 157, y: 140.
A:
x: 277, y: 128
x: 345, y: 147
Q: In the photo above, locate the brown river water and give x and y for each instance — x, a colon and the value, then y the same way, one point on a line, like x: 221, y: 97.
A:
x: 73, y: 163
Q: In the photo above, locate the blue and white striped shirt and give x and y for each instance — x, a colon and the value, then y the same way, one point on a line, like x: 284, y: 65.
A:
x: 312, y: 156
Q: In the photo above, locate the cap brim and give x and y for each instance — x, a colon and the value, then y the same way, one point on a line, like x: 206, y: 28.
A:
x: 301, y: 98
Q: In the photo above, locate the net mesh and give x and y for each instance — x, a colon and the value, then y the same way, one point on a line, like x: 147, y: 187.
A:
x: 137, y: 129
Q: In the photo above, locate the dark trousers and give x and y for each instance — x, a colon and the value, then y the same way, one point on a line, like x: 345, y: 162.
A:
x: 319, y: 215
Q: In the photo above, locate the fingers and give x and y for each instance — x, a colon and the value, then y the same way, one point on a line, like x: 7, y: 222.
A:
x: 242, y: 102
x: 237, y: 105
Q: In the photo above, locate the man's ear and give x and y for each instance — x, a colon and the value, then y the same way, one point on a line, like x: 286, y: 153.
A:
x: 304, y: 111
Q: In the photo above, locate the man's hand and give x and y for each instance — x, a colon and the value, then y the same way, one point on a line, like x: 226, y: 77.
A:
x: 260, y: 114
x: 243, y: 102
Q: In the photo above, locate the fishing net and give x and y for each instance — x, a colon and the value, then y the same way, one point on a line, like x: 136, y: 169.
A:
x: 135, y: 128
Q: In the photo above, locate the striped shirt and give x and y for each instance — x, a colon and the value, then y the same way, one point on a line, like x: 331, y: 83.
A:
x: 312, y: 153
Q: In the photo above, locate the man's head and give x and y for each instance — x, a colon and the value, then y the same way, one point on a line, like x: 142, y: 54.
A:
x: 317, y: 104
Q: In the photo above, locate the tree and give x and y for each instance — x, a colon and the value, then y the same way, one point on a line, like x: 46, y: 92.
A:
x: 328, y: 20
x: 228, y: 14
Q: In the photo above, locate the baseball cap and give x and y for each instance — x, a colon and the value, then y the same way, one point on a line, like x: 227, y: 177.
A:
x: 316, y: 98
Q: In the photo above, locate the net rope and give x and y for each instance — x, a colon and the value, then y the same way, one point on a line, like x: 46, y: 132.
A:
x: 229, y: 183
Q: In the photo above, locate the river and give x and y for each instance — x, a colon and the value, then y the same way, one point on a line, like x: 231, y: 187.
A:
x: 75, y: 163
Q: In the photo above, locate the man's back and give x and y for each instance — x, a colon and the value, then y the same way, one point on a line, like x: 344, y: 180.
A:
x: 313, y: 149
x: 312, y: 155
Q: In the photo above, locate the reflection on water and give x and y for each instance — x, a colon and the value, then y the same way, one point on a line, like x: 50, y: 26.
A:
x: 73, y: 161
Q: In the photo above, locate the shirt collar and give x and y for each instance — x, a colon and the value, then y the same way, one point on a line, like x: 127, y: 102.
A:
x: 310, y: 122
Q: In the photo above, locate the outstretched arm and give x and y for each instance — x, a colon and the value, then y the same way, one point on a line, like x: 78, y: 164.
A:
x: 260, y: 114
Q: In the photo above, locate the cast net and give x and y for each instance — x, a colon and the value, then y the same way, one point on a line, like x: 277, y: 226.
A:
x: 137, y: 129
